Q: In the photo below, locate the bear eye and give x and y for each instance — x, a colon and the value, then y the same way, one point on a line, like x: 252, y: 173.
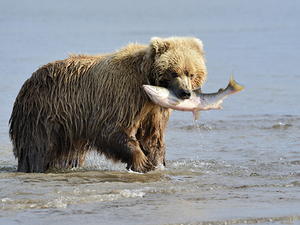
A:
x: 192, y: 76
x: 174, y: 74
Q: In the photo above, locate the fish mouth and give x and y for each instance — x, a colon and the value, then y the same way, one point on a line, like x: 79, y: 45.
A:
x: 149, y: 90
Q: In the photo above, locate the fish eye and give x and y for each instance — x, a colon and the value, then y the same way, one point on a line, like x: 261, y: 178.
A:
x: 192, y: 76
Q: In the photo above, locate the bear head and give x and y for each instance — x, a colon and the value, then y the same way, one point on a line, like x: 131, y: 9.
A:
x: 177, y: 63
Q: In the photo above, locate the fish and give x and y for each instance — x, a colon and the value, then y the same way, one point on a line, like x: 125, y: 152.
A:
x: 198, y: 101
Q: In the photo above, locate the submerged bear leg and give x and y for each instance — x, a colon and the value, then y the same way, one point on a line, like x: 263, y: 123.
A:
x: 79, y: 154
x: 119, y: 146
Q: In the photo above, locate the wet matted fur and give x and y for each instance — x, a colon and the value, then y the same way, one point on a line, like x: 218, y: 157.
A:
x: 70, y: 106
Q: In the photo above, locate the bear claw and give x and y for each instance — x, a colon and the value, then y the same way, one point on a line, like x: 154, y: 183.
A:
x: 140, y: 163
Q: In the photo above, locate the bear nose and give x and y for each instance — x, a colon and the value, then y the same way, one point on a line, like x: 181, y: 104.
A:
x: 185, y: 94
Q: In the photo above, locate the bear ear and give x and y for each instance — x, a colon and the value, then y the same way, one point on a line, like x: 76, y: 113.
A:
x: 198, y: 45
x: 158, y: 45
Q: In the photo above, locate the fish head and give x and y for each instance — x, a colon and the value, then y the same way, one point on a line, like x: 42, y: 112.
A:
x: 156, y: 93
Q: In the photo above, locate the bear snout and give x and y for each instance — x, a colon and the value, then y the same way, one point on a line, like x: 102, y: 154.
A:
x: 184, y: 94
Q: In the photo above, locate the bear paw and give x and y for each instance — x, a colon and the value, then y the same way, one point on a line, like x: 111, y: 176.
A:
x: 140, y: 163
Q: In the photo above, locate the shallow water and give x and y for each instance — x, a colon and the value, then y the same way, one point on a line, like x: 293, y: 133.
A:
x: 237, y: 165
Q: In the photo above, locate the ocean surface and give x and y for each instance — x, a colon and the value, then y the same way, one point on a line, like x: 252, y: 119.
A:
x: 237, y: 165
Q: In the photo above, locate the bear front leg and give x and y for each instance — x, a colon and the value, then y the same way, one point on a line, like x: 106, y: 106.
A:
x: 151, y: 136
x: 119, y: 146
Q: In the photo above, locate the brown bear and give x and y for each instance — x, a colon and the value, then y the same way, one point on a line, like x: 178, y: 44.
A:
x: 70, y: 106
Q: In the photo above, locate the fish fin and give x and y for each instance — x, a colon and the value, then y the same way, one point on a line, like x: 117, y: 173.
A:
x: 196, y: 114
x: 236, y: 87
x: 219, y: 105
x: 173, y: 101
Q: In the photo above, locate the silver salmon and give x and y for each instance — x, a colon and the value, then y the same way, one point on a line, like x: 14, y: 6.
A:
x: 196, y: 103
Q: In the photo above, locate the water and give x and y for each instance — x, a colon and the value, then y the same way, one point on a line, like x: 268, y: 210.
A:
x: 237, y: 165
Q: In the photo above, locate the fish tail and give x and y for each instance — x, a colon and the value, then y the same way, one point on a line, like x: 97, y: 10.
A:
x: 235, y: 86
